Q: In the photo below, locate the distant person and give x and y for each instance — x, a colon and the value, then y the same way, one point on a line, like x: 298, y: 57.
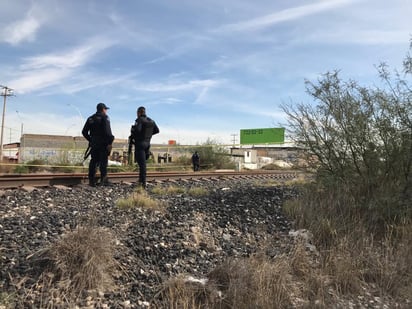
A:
x: 196, y: 161
x: 99, y: 134
x: 140, y: 135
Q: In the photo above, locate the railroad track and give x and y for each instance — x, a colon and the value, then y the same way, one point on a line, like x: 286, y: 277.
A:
x: 10, y: 181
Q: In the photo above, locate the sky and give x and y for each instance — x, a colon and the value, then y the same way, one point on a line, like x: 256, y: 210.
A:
x: 203, y: 69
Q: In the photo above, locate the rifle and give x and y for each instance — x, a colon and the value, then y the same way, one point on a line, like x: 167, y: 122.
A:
x: 129, y: 151
x: 87, y: 152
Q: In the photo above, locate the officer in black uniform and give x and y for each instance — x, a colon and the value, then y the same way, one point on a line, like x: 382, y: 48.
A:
x: 140, y: 135
x: 196, y: 161
x: 99, y: 134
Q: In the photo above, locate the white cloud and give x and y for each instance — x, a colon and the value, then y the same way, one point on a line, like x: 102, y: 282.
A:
x: 38, y: 79
x: 284, y: 16
x: 22, y: 30
x: 172, y: 101
x: 359, y: 37
x: 49, y: 124
x: 178, y: 86
x: 43, y: 71
x: 73, y: 58
x: 202, y: 95
x: 83, y: 81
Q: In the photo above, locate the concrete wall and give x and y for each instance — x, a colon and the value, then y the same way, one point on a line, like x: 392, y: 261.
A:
x: 55, y: 149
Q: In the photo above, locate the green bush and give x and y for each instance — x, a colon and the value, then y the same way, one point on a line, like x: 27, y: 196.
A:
x: 359, y: 141
x: 36, y: 165
x: 21, y: 169
x: 213, y: 156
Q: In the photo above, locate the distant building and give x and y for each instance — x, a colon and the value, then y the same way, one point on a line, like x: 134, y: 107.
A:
x: 11, y: 152
x: 257, y: 156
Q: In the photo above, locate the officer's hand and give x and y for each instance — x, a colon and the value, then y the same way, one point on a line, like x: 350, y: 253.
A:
x: 109, y: 149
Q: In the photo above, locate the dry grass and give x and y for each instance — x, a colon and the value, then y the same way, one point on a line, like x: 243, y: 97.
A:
x: 354, y: 256
x: 185, y: 292
x: 175, y: 190
x: 197, y: 191
x: 81, y: 260
x: 348, y: 261
x: 254, y: 282
x: 140, y: 198
x: 171, y: 189
x: 7, y: 300
x: 302, y: 278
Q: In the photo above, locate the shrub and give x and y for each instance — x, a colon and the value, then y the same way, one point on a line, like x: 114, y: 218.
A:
x: 21, y: 169
x: 359, y: 143
x: 36, y: 165
x: 360, y: 139
x: 213, y: 155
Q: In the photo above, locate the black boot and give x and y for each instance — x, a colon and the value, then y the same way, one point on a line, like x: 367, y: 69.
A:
x: 92, y: 182
x: 140, y: 185
x: 104, y: 181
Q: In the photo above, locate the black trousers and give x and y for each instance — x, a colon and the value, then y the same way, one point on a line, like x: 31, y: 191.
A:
x: 99, y: 158
x: 141, y: 154
x: 196, y: 167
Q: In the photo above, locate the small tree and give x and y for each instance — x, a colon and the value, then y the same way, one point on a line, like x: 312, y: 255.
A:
x: 360, y: 138
x: 213, y: 155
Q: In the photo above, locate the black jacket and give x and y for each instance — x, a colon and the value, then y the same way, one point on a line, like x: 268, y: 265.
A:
x: 143, y: 130
x: 97, y: 130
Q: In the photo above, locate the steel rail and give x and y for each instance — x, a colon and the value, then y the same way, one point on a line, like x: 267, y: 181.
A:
x: 8, y: 181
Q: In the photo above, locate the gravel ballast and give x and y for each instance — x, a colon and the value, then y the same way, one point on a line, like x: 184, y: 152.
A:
x: 192, y: 236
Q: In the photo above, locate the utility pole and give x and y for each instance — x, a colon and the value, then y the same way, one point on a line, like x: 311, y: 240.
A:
x: 233, y: 139
x: 7, y: 92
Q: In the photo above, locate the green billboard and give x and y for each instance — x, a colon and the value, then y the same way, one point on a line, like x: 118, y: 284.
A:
x: 262, y: 136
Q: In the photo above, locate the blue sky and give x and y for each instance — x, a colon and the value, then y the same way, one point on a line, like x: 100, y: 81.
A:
x: 203, y: 69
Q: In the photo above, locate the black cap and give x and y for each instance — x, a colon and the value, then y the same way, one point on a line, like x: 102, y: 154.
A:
x: 101, y: 106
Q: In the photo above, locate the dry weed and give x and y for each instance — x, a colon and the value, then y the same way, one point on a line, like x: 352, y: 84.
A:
x: 81, y: 260
x: 186, y: 292
x: 197, y: 191
x: 255, y: 282
x: 175, y: 190
x: 140, y: 198
x: 171, y: 189
x: 300, y: 260
x: 344, y: 268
